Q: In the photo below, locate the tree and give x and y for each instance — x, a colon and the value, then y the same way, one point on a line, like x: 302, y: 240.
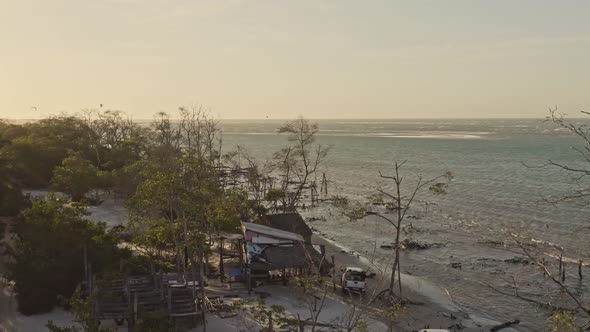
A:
x: 115, y: 139
x: 48, y: 255
x: 38, y: 147
x: 199, y: 133
x: 179, y: 192
x: 400, y: 200
x: 76, y: 176
x: 299, y: 160
x: 226, y: 212
x: 12, y: 200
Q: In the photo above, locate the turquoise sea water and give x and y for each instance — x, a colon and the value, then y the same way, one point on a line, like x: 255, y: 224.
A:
x: 492, y: 191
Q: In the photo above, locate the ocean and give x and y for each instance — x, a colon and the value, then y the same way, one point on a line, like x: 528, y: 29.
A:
x: 498, y: 187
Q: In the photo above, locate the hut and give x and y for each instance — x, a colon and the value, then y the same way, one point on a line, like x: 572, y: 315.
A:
x: 271, y: 251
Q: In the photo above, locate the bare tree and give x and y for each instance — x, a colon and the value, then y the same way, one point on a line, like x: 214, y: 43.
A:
x: 400, y: 200
x: 298, y: 162
x: 540, y: 256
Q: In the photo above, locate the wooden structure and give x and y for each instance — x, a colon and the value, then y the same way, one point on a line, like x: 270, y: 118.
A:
x: 236, y: 250
x: 123, y: 298
x: 280, y: 253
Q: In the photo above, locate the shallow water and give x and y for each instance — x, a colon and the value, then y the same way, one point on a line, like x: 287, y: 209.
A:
x: 492, y: 191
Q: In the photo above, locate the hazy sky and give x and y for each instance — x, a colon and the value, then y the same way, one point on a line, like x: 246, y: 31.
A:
x: 320, y: 59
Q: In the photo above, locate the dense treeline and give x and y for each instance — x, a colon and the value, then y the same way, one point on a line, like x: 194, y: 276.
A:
x: 170, y: 175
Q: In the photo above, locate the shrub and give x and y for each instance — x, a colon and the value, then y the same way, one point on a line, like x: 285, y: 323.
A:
x: 49, y: 253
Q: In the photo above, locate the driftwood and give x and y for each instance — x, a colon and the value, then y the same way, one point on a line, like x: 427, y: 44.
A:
x: 390, y: 299
x: 412, y: 244
x: 518, y: 260
x: 504, y: 325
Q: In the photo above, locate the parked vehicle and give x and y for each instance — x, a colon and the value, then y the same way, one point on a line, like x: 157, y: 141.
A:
x: 354, y: 279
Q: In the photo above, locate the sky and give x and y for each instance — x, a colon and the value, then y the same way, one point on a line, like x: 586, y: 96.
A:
x: 281, y: 59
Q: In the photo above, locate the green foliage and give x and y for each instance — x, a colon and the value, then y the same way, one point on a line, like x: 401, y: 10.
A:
x: 49, y: 253
x: 171, y: 203
x: 37, y: 148
x: 225, y: 213
x: 12, y: 200
x: 562, y: 321
x: 140, y: 264
x: 361, y: 326
x: 51, y: 327
x: 76, y: 176
x: 154, y: 322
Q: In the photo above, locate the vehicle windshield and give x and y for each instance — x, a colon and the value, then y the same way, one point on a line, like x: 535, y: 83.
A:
x: 355, y: 275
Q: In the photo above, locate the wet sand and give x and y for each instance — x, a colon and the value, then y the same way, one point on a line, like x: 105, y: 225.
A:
x: 438, y: 309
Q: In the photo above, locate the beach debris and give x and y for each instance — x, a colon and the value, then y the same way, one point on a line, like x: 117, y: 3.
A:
x: 386, y: 246
x: 504, y: 325
x: 492, y: 243
x: 408, y: 229
x: 413, y: 244
x: 518, y: 260
x: 456, y: 327
x: 391, y: 206
x: 456, y: 265
x: 448, y: 315
x: 390, y: 299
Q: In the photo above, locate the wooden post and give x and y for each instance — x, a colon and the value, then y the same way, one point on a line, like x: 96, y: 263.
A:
x: 195, y: 278
x: 90, y: 279
x: 560, y: 264
x: 134, y: 306
x: 221, y: 272
x: 324, y: 184
x: 202, y: 291
x: 333, y: 273
x: 580, y: 263
x: 169, y: 300
x: 563, y: 273
x: 248, y: 279
x: 241, y: 253
x: 161, y: 285
x: 85, y: 250
x: 284, y: 273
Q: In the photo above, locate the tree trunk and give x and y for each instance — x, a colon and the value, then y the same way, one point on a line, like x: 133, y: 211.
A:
x: 202, y: 289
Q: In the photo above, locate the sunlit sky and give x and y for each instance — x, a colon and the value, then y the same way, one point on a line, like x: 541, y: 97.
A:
x: 280, y: 59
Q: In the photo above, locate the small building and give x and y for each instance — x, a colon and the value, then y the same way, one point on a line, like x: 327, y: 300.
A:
x: 270, y: 251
